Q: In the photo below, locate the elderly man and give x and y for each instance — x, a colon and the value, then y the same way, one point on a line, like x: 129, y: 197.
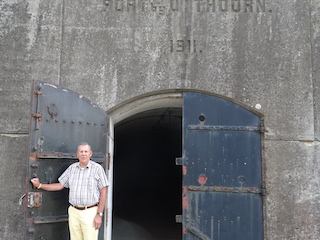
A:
x: 88, y: 184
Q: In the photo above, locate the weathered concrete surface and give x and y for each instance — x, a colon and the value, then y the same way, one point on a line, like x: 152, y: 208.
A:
x: 315, y: 46
x: 109, y: 54
x: 292, y: 179
x: 265, y: 57
x: 30, y: 40
x: 260, y: 57
x: 12, y: 185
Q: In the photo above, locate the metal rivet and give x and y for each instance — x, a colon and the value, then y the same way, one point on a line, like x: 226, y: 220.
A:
x: 202, y: 118
x: 31, y: 230
x: 34, y: 165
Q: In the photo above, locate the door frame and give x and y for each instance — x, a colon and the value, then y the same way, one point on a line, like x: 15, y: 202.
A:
x: 145, y: 102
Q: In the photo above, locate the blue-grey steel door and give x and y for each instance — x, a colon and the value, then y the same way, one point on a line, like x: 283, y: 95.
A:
x: 222, y: 183
x: 60, y: 120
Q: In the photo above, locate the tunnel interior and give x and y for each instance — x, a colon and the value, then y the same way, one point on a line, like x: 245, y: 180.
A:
x: 147, y: 182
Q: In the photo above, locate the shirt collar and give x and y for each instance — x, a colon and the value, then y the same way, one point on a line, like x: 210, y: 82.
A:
x: 88, y: 166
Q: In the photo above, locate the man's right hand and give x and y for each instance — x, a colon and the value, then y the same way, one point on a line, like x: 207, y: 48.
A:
x: 47, y: 187
x: 35, y: 182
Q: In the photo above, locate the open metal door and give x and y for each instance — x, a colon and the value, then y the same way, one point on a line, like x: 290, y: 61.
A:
x: 222, y: 182
x: 60, y: 120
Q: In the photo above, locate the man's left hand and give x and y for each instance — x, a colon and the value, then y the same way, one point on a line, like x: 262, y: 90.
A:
x: 97, y: 221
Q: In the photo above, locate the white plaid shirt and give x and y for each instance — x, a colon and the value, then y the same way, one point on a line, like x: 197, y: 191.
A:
x: 84, y: 183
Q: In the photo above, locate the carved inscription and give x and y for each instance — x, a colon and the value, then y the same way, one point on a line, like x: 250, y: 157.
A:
x: 163, y: 6
x: 187, y: 46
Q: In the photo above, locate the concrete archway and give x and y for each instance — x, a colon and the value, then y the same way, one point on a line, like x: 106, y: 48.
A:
x: 146, y: 182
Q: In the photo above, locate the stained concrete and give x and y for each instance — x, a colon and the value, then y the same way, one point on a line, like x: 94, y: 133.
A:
x: 12, y: 185
x: 293, y: 190
x: 263, y: 55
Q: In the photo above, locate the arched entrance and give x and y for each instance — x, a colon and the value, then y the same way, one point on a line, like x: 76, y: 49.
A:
x: 215, y: 192
x: 221, y: 183
x: 147, y: 182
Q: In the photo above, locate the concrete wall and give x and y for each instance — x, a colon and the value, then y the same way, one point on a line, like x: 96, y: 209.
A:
x: 261, y: 53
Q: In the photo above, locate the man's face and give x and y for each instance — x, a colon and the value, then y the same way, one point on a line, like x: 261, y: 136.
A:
x: 84, y: 153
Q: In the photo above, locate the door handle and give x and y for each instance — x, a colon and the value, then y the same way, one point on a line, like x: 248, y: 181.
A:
x: 21, y: 199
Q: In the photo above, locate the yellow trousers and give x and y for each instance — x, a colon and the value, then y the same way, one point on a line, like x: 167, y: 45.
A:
x: 81, y: 224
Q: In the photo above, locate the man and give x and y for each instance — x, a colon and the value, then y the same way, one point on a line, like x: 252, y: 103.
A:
x: 88, y: 184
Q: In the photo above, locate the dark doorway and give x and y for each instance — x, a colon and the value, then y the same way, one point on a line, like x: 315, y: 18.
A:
x: 147, y: 182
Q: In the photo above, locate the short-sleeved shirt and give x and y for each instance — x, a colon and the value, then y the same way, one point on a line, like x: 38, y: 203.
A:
x: 84, y: 183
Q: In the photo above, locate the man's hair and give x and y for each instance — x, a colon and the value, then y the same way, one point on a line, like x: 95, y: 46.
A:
x: 84, y: 144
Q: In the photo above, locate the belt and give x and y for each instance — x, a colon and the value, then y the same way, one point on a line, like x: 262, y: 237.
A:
x: 85, y: 207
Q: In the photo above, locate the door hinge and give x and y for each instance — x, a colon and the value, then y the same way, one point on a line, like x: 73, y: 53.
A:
x: 226, y: 128
x: 178, y: 218
x: 37, y: 115
x: 179, y: 161
x: 50, y: 219
x: 255, y: 190
x: 38, y: 119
